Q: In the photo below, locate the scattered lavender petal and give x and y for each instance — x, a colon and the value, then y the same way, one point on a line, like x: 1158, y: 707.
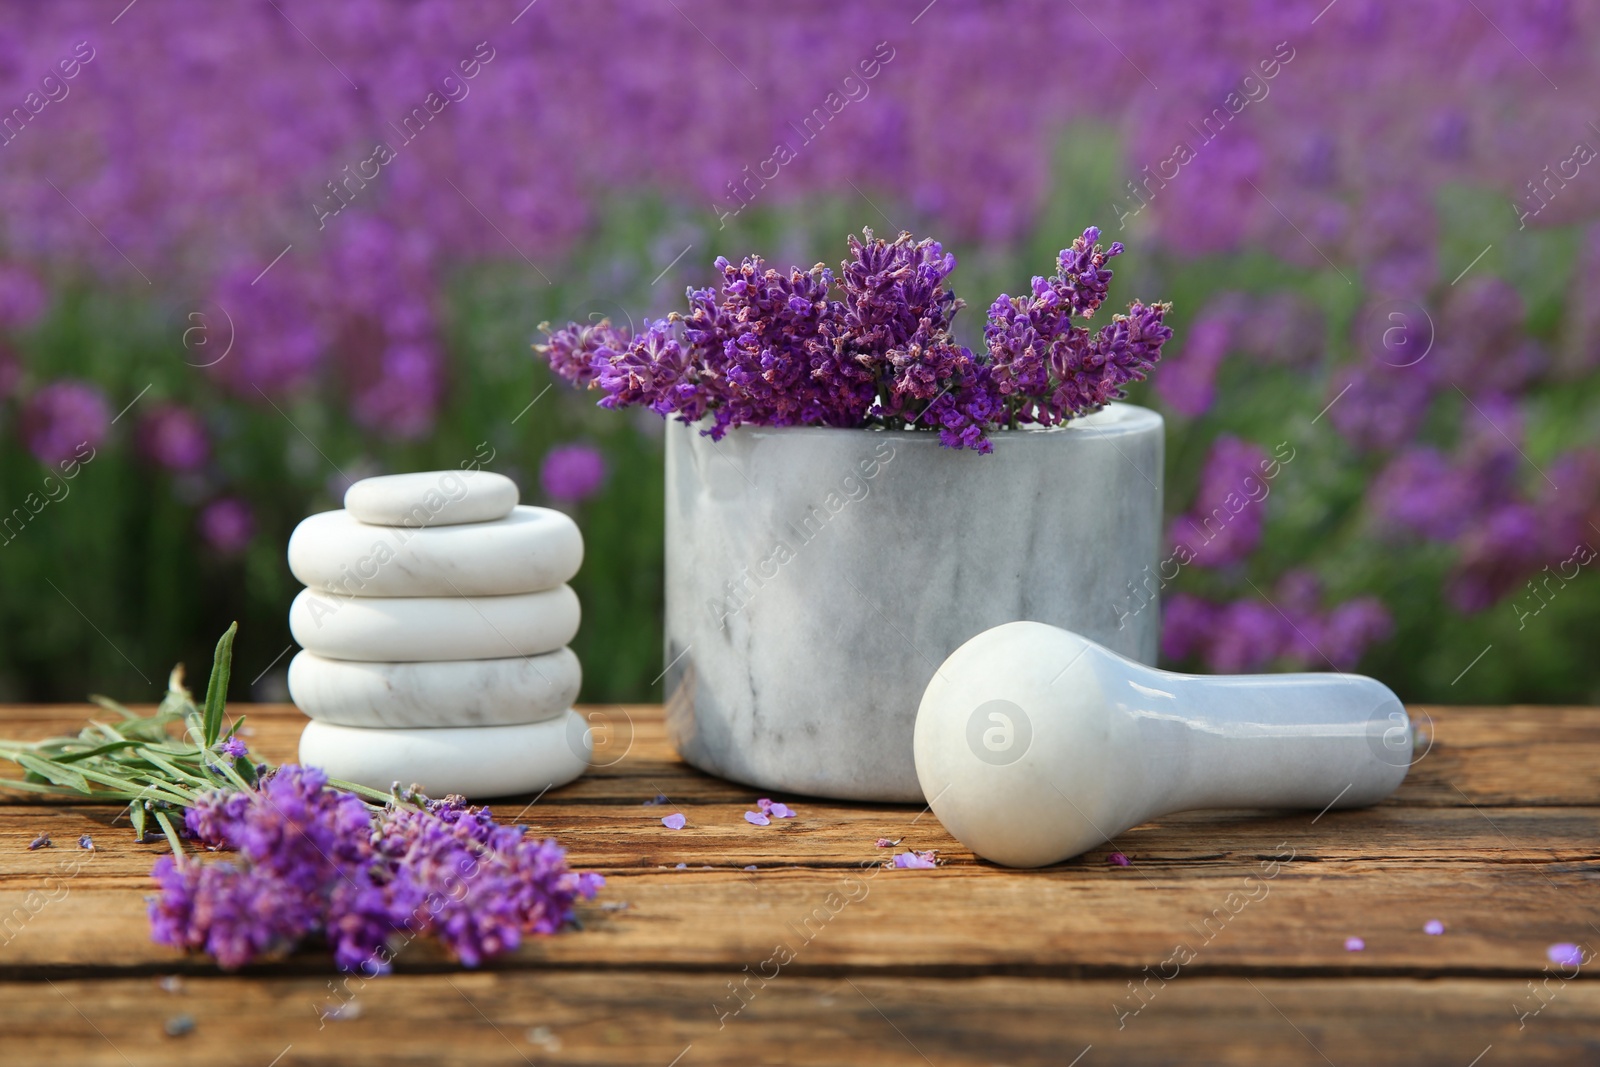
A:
x: 1354, y: 944
x: 917, y: 861
x: 659, y: 798
x: 682, y: 866
x: 42, y: 841
x: 1565, y: 954
x: 757, y: 818
x: 179, y: 1025
x: 1433, y: 927
x: 781, y: 811
x: 764, y: 804
x: 752, y: 867
x: 171, y: 983
x: 1117, y: 859
x: 86, y: 843
x: 884, y: 842
x: 674, y: 821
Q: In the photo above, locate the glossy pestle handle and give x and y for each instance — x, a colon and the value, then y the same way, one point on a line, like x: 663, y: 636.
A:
x: 1034, y: 744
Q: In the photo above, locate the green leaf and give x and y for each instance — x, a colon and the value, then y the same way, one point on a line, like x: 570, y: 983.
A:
x: 217, y: 687
x: 172, y: 834
x: 136, y: 816
x: 54, y: 772
x: 89, y: 753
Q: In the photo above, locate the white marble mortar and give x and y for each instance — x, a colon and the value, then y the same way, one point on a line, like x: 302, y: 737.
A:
x: 817, y: 577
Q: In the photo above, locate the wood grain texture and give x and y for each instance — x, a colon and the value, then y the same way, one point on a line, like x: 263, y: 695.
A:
x: 639, y: 1019
x: 1496, y: 832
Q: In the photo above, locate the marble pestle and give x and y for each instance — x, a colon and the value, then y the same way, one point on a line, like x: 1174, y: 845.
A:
x: 1034, y: 744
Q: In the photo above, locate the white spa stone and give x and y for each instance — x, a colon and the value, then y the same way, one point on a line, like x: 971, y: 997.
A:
x: 416, y: 629
x: 473, y: 692
x: 432, y: 498
x: 523, y: 552
x: 474, y: 761
x: 1034, y: 744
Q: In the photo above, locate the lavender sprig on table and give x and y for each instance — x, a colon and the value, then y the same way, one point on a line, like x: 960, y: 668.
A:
x: 314, y: 857
x: 768, y: 348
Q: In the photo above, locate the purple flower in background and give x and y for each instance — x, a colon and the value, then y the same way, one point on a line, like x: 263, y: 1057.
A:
x: 1422, y: 492
x: 572, y: 473
x: 1379, y: 407
x: 1351, y: 628
x: 65, y: 419
x: 1496, y: 557
x: 1188, y: 384
x: 1249, y: 636
x: 227, y: 524
x: 22, y: 297
x: 1187, y: 626
x: 1226, y: 522
x: 174, y: 438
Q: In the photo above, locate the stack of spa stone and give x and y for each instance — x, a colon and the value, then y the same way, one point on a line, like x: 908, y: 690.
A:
x: 434, y: 627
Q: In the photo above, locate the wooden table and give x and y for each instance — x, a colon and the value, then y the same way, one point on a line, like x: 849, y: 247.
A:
x: 727, y: 943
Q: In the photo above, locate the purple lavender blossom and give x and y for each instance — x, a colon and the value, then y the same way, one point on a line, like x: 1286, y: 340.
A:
x: 575, y: 350
x: 771, y: 348
x: 572, y: 473
x: 1250, y: 635
x: 65, y: 419
x: 227, y: 524
x: 22, y: 297
x: 313, y: 861
x: 1188, y: 384
x: 1496, y: 557
x: 1226, y: 522
x: 174, y: 438
x: 233, y: 747
x: 1422, y: 492
x: 1187, y: 624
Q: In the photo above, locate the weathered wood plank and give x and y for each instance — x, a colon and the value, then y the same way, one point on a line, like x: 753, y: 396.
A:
x: 696, y: 1020
x: 1521, y: 755
x: 1233, y: 913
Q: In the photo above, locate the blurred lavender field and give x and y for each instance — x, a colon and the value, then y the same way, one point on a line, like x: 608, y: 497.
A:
x: 250, y: 252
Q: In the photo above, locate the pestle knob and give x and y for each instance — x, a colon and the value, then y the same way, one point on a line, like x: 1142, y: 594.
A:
x: 1033, y: 744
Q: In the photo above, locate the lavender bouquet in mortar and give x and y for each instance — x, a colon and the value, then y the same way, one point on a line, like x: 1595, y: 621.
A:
x: 766, y: 348
x: 823, y: 551
x: 310, y: 858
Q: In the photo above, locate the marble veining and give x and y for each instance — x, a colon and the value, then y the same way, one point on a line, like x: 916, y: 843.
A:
x: 525, y: 551
x: 474, y: 761
x: 415, y: 629
x: 481, y: 692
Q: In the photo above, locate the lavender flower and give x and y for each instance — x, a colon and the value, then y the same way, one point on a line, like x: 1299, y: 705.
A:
x: 1226, y: 522
x: 572, y: 473
x: 63, y: 419
x: 312, y: 861
x: 771, y: 348
x: 174, y: 438
x: 22, y: 297
x: 227, y: 524
x: 573, y: 350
